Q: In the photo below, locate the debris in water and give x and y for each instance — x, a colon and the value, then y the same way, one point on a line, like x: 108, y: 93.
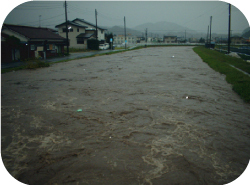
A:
x: 79, y: 110
x: 173, y: 56
x: 186, y: 97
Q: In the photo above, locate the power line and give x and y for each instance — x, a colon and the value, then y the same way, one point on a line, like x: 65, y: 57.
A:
x: 79, y: 9
x: 37, y: 8
x: 203, y: 14
x: 42, y: 19
x: 111, y: 18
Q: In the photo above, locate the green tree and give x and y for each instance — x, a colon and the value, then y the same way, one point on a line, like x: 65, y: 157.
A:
x: 202, y: 40
x: 93, y: 44
x: 13, y: 42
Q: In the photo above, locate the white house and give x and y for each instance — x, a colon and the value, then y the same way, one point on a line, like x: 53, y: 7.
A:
x: 170, y: 39
x: 91, y: 27
x: 120, y: 39
x: 79, y: 31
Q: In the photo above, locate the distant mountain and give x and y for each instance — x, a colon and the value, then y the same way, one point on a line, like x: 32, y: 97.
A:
x: 119, y: 30
x: 246, y: 33
x: 161, y: 26
x: 165, y: 28
x: 158, y: 29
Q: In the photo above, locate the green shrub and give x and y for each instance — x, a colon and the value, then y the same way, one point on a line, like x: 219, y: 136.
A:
x: 93, y: 44
x: 36, y: 63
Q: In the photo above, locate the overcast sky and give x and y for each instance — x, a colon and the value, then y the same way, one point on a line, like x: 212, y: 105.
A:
x: 191, y: 14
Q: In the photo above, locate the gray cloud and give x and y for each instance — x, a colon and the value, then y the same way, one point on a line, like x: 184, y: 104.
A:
x: 194, y: 15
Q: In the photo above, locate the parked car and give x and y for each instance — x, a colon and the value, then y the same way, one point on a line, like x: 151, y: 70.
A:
x: 107, y: 45
x: 104, y: 46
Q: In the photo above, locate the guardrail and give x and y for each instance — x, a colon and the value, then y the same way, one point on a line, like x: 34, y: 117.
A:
x: 158, y: 44
x: 241, y: 50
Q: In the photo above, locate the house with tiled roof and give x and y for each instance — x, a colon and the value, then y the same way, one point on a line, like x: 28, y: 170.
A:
x: 33, y: 42
x: 79, y: 31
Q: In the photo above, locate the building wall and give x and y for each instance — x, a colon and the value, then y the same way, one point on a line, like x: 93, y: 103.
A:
x: 72, y: 36
x: 170, y: 39
x: 26, y: 49
x: 100, y: 33
x: 119, y: 39
x: 11, y: 33
x: 237, y: 40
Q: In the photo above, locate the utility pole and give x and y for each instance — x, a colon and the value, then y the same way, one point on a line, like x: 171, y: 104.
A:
x: 67, y: 31
x: 229, y: 29
x: 220, y: 43
x: 185, y: 36
x: 207, y: 33
x: 96, y: 31
x: 125, y: 32
x: 210, y: 30
x: 146, y: 35
x: 40, y: 21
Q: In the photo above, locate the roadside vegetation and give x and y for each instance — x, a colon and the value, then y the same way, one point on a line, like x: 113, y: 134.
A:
x: 76, y: 50
x: 244, y: 57
x: 28, y: 64
x: 221, y: 63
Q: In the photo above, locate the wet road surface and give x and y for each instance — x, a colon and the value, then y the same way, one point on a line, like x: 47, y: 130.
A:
x: 78, y: 55
x: 139, y: 117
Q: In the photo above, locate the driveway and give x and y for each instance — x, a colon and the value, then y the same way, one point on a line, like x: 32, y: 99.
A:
x: 147, y: 117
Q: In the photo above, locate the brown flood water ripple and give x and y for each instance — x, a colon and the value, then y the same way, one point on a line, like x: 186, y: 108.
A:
x: 147, y: 118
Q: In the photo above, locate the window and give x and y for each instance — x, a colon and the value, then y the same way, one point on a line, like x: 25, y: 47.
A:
x: 102, y: 31
x: 50, y: 47
x: 77, y: 29
x: 32, y: 47
x: 80, y: 40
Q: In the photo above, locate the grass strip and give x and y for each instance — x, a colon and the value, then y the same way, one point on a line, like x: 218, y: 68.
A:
x: 32, y: 64
x: 220, y: 63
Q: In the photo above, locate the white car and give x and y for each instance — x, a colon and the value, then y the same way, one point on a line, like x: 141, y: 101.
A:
x: 104, y: 46
x: 107, y: 45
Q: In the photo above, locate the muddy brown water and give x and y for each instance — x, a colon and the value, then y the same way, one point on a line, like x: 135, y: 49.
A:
x: 147, y: 119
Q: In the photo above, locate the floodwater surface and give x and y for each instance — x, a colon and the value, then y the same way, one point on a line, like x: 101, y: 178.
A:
x: 154, y: 116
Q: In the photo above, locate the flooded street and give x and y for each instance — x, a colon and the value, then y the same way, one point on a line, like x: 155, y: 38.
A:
x: 140, y: 117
